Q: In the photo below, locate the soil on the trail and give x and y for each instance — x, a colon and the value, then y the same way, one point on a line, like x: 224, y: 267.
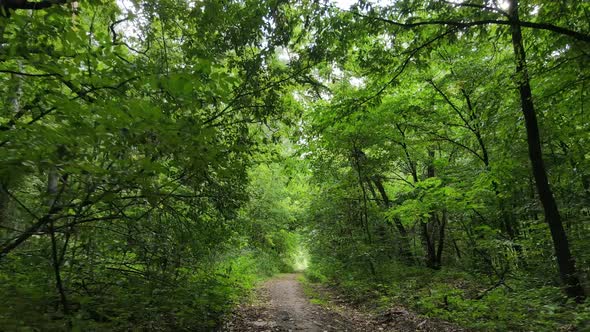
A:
x: 281, y: 305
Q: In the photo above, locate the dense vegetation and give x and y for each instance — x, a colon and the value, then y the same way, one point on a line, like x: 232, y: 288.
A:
x: 157, y: 158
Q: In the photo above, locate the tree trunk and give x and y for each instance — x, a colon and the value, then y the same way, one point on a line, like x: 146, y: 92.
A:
x: 428, y: 243
x: 387, y: 203
x: 404, y: 247
x: 357, y: 155
x: 15, y: 101
x: 565, y: 261
x: 441, y: 238
x: 52, y: 184
x: 430, y: 228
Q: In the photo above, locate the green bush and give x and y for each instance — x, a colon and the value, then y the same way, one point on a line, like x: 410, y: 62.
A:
x: 460, y: 298
x: 193, y: 299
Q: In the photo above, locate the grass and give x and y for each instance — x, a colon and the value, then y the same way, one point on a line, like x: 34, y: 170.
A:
x: 312, y: 293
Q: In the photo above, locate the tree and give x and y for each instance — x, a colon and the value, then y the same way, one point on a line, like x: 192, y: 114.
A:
x: 141, y: 141
x: 483, y: 15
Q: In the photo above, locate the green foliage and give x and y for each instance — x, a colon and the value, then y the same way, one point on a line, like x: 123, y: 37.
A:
x: 195, y: 298
x: 126, y: 136
x: 462, y: 298
x: 147, y: 179
x: 314, y: 296
x: 420, y: 159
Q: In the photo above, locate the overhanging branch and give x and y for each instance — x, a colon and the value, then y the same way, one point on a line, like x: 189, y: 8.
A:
x: 461, y: 24
x: 33, y: 5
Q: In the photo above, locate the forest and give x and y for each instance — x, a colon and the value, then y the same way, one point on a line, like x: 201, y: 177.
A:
x: 160, y: 159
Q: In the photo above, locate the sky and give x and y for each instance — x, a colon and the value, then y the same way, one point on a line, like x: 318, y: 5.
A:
x: 344, y: 4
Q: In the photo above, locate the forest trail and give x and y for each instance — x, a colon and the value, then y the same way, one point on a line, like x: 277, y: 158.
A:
x: 292, y: 310
x: 283, y: 306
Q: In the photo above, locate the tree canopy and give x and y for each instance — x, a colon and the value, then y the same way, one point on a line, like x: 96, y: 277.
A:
x: 159, y: 157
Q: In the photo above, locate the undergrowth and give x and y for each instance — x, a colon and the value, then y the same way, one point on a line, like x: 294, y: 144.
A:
x: 192, y: 299
x: 314, y: 296
x: 468, y: 300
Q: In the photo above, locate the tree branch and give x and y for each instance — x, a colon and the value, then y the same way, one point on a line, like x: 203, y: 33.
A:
x: 7, y: 71
x: 453, y: 106
x: 474, y: 5
x: 461, y: 24
x: 14, y: 4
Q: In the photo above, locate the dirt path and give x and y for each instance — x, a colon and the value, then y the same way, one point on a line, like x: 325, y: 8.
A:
x: 281, y: 305
x: 292, y: 310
